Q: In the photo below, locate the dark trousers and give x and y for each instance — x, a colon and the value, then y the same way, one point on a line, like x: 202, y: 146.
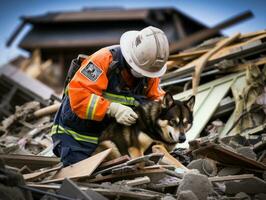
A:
x: 71, y: 151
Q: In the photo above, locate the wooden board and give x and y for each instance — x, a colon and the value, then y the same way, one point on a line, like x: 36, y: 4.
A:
x: 125, y: 176
x: 186, y: 55
x: 108, y: 192
x: 33, y: 162
x: 202, y: 61
x: 83, y: 168
x: 206, y: 33
x: 113, y: 162
x: 253, y: 45
x: 231, y: 177
x: 208, y: 100
x: 225, y: 156
x: 35, y: 175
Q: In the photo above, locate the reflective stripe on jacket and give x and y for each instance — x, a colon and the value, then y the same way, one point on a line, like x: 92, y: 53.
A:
x: 57, y: 129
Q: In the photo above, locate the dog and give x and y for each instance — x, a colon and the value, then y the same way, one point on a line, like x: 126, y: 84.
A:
x: 159, y: 122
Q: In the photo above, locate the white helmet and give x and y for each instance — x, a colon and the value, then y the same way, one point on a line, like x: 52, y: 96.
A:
x: 146, y: 51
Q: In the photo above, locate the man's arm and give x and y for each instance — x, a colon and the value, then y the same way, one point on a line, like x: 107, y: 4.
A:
x: 85, y: 89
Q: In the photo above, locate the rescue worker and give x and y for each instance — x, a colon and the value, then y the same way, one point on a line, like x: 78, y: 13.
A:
x: 106, y: 86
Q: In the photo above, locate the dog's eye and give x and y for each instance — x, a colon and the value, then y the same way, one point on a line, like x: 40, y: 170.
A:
x: 173, y: 122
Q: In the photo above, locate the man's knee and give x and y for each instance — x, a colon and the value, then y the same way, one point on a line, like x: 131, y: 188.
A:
x: 70, y: 156
x: 71, y: 151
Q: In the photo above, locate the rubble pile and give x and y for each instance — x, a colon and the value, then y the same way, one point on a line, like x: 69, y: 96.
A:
x: 224, y: 156
x: 27, y: 130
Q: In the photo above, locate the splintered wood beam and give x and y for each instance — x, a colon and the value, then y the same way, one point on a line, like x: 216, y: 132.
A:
x: 113, y: 162
x: 249, y: 47
x: 33, y: 162
x: 202, y: 61
x: 36, y: 175
x: 206, y: 33
x: 128, y: 175
x: 231, y: 177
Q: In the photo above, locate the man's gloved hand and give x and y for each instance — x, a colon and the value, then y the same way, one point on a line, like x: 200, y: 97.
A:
x: 123, y: 114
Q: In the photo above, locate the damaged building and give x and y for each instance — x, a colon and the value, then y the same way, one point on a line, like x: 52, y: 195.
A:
x: 65, y: 35
x: 224, y: 156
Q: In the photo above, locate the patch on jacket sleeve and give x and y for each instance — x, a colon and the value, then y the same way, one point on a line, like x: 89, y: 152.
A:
x: 92, y: 71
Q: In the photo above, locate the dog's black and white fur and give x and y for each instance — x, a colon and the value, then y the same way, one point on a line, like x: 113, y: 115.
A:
x: 164, y: 122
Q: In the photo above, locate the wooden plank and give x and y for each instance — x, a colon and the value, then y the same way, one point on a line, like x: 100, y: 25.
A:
x: 130, y: 175
x: 248, y: 47
x: 206, y: 33
x: 138, y: 181
x: 108, y: 192
x: 122, y: 194
x: 83, y: 168
x: 185, y: 55
x: 252, y: 34
x: 207, y: 101
x: 46, y: 186
x: 202, y: 61
x: 239, y: 47
x: 244, y: 66
x: 225, y: 156
x: 113, y: 162
x: 35, y: 175
x: 33, y: 162
x: 197, y: 53
x: 231, y: 177
x: 46, y: 110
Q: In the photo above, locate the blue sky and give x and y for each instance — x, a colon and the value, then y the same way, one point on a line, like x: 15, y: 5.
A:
x: 207, y: 11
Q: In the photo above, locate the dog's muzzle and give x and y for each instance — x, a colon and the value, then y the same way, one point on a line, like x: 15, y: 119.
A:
x: 182, y: 138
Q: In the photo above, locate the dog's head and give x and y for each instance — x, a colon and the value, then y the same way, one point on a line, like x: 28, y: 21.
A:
x: 176, y: 118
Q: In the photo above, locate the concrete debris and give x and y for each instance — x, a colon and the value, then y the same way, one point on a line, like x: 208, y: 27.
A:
x: 226, y: 171
x: 249, y: 186
x: 204, y: 166
x: 243, y: 196
x: 197, y: 183
x: 260, y: 196
x: 247, y: 152
x: 187, y: 195
x: 224, y: 156
x: 10, y: 185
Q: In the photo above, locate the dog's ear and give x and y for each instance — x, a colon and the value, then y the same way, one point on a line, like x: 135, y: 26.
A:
x: 168, y: 100
x: 190, y: 103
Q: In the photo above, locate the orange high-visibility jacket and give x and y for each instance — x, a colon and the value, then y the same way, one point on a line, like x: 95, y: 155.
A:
x: 87, y: 87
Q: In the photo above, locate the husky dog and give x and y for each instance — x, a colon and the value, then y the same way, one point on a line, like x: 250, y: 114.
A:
x: 163, y: 122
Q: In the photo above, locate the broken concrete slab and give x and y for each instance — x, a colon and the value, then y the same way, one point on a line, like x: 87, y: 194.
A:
x: 70, y: 189
x: 226, y: 171
x: 197, y: 183
x: 242, y: 196
x: 228, y: 157
x: 250, y: 186
x: 168, y: 197
x: 187, y: 195
x: 204, y: 166
x: 260, y: 196
x: 17, y: 88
